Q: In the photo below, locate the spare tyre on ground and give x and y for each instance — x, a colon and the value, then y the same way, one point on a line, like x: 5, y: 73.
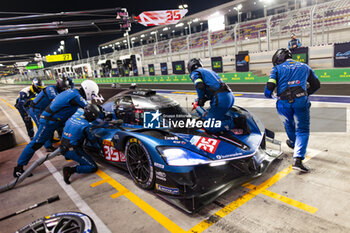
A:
x: 7, y: 137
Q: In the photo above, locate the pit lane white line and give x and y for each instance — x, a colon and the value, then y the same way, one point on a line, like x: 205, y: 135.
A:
x: 74, y: 196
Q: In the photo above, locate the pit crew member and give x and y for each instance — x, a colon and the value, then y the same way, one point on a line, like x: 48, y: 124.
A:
x: 26, y: 95
x: 209, y: 86
x: 76, y: 130
x: 54, y: 116
x: 293, y: 105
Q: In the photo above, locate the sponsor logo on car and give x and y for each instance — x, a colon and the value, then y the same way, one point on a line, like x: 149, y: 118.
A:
x: 228, y: 156
x: 207, y: 144
x: 171, y: 138
x: 166, y: 189
x: 158, y: 165
x: 161, y: 175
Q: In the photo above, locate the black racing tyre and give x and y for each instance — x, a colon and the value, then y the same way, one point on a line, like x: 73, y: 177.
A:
x: 139, y: 163
x: 7, y: 137
x: 65, y: 222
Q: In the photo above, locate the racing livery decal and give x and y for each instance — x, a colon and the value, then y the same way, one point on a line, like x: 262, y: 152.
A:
x: 112, y: 154
x: 165, y: 189
x: 206, y: 144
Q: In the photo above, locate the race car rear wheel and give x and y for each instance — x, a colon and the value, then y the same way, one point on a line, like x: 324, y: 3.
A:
x: 139, y: 163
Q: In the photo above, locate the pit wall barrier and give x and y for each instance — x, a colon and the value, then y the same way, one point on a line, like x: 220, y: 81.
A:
x: 325, y: 75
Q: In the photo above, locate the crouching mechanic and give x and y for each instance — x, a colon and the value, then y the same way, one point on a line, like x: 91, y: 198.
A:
x: 75, y: 132
x: 43, y: 99
x: 293, y: 105
x: 26, y: 95
x: 55, y: 115
x: 209, y: 86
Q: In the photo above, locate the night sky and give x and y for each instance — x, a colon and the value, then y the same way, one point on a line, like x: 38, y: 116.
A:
x: 48, y: 46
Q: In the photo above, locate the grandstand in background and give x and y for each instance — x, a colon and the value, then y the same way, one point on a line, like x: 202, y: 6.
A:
x: 317, y: 26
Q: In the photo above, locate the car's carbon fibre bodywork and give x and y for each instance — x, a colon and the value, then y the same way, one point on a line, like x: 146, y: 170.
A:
x: 230, y: 160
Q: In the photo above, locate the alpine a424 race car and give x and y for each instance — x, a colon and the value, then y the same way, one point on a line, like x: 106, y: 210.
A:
x: 186, y: 166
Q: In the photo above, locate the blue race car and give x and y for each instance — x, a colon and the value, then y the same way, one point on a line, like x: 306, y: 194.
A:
x: 186, y: 166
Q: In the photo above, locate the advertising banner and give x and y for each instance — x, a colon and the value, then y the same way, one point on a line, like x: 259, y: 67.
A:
x: 151, y: 70
x: 301, y: 54
x: 342, y: 55
x: 164, y: 68
x: 242, y: 62
x: 178, y: 67
x: 216, y: 64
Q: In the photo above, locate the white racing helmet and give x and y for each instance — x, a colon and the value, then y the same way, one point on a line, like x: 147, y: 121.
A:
x: 90, y: 89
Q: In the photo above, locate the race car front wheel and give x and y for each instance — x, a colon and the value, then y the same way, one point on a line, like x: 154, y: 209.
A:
x: 70, y: 222
x: 139, y: 163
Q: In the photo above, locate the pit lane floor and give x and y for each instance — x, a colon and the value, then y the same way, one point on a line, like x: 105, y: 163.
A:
x: 281, y: 201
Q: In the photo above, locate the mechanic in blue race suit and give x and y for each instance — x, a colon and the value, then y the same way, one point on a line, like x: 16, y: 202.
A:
x: 43, y: 99
x: 55, y: 115
x: 293, y: 105
x: 209, y: 86
x: 75, y: 132
x: 26, y: 96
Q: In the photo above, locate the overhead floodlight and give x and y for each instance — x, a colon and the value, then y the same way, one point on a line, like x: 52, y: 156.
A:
x: 179, y: 25
x: 195, y: 20
x: 216, y: 22
x: 134, y: 38
x: 143, y: 35
x: 62, y: 42
x: 61, y: 47
x: 110, y: 45
x: 154, y: 32
x: 76, y: 37
x: 173, y: 31
x: 239, y: 7
x: 185, y: 6
x: 117, y: 43
x: 54, y: 53
x: 124, y: 41
x: 181, y: 7
x: 165, y: 29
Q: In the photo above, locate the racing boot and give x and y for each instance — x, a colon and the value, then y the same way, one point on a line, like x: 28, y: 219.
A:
x: 298, y: 165
x: 289, y: 144
x: 67, y: 172
x: 18, y: 171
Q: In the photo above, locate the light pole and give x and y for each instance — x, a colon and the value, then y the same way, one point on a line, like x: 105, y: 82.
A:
x: 189, y: 27
x: 78, y: 39
x: 238, y: 8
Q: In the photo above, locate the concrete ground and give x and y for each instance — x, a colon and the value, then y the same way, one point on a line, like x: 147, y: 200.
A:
x: 280, y: 201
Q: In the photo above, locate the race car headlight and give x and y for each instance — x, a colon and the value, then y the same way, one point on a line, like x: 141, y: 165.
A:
x: 174, y: 156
